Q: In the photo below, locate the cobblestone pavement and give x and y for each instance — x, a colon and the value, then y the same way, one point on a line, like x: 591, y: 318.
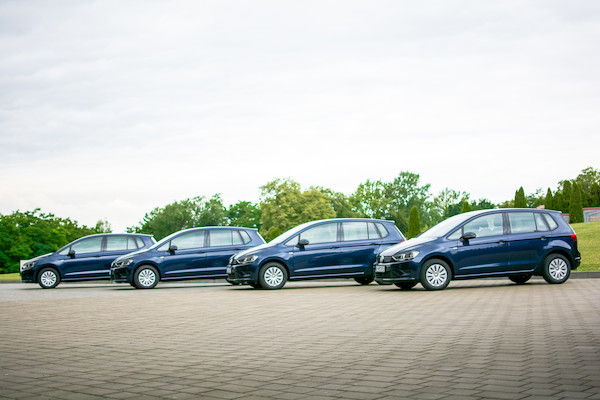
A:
x: 477, y: 339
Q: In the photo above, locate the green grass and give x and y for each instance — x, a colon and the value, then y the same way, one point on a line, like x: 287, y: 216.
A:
x: 588, y: 243
x: 10, y: 277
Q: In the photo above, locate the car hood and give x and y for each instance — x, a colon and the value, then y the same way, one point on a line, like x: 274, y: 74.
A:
x: 40, y: 257
x: 254, y: 250
x: 132, y: 254
x: 406, y: 245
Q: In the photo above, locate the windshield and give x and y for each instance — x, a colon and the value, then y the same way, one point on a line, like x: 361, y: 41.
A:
x: 445, y: 226
x: 288, y: 234
x: 164, y: 240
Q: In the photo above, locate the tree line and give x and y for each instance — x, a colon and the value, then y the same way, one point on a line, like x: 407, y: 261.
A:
x: 283, y: 204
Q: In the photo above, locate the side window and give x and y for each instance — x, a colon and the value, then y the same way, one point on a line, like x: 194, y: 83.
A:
x: 245, y: 237
x: 91, y: 245
x: 355, y: 231
x: 221, y: 237
x: 540, y: 223
x: 131, y: 244
x: 383, y: 232
x: 373, y: 232
x: 550, y: 221
x: 485, y: 226
x: 521, y: 222
x: 237, y: 238
x: 456, y: 235
x: 323, y: 233
x: 140, y: 242
x: 189, y: 240
x: 115, y: 243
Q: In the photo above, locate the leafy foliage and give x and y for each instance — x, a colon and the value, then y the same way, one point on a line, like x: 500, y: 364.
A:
x: 576, y: 208
x: 24, y: 235
x: 520, y: 201
x: 414, y: 225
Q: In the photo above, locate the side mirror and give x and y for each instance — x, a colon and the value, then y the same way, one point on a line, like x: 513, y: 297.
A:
x: 71, y: 253
x: 302, y: 243
x: 172, y: 248
x: 468, y: 236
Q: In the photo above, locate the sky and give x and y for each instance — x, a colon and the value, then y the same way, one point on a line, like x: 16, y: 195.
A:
x: 109, y: 109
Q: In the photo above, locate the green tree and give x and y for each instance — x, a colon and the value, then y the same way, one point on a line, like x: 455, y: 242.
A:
x: 520, y: 201
x: 103, y: 226
x: 466, y: 207
x: 557, y: 201
x: 586, y: 179
x: 340, y: 203
x: 446, y: 204
x: 392, y: 200
x: 576, y: 205
x: 284, y: 205
x: 535, y: 199
x: 187, y: 213
x: 595, y: 195
x: 24, y: 235
x: 414, y: 225
x: 244, y: 213
x: 548, y: 201
x: 566, y: 195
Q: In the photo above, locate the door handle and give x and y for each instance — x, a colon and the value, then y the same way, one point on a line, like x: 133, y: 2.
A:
x: 544, y: 238
x: 335, y: 247
x: 502, y: 241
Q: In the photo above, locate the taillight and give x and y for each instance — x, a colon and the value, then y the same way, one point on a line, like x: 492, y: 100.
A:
x: 574, y: 237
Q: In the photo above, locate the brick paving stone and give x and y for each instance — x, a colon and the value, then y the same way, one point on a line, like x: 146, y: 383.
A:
x: 477, y: 339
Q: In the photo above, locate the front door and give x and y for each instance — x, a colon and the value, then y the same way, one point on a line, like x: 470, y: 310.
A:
x: 320, y: 257
x: 488, y: 252
x: 188, y: 260
x: 87, y: 262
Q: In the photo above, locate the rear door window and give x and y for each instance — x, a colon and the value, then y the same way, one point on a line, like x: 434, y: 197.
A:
x: 521, y: 222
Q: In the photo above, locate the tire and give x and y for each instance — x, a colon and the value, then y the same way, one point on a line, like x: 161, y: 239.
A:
x: 520, y: 279
x: 365, y: 280
x: 557, y: 269
x: 405, y: 285
x: 272, y: 276
x: 145, y: 277
x: 49, y: 278
x: 435, y: 274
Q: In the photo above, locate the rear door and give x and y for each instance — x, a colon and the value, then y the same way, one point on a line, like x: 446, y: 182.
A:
x: 116, y: 246
x: 527, y: 239
x: 222, y: 244
x: 321, y: 256
x: 359, y: 247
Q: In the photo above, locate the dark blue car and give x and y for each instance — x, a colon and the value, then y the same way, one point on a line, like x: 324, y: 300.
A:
x: 516, y: 243
x: 334, y: 248
x: 197, y: 253
x: 84, y: 259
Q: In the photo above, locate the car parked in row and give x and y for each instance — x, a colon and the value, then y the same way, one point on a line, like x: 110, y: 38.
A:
x: 515, y: 243
x: 196, y: 253
x: 333, y: 248
x: 87, y: 258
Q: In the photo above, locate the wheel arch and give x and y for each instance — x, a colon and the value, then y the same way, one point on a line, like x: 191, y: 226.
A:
x: 150, y: 264
x: 275, y: 260
x: 559, y: 251
x: 42, y: 267
x: 441, y: 257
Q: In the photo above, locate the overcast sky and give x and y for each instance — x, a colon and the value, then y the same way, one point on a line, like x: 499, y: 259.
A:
x: 111, y: 108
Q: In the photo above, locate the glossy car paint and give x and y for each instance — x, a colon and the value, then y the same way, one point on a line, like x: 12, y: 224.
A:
x: 202, y: 261
x: 86, y: 265
x: 502, y: 251
x: 338, y: 258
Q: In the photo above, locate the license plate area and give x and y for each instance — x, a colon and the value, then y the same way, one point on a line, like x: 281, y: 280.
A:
x: 380, y: 268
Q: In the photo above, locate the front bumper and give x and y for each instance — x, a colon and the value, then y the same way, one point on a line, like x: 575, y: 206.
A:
x: 396, y: 272
x: 28, y: 276
x: 242, y: 273
x: 119, y: 274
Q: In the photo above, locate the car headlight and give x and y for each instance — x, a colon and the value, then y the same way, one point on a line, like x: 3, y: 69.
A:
x: 27, y: 265
x: 247, y: 259
x: 122, y: 263
x: 405, y: 256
